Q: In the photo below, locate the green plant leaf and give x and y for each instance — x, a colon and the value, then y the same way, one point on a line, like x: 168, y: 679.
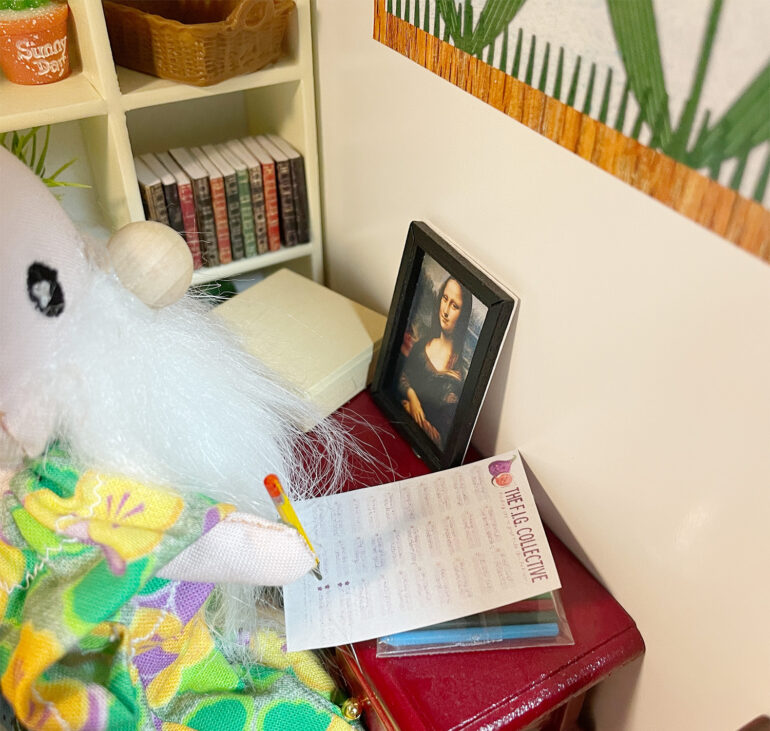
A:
x: 559, y: 75
x: 544, y: 69
x: 636, y: 34
x: 604, y: 109
x: 517, y: 54
x: 25, y: 147
x: 572, y: 93
x: 451, y: 19
x: 40, y: 167
x: 687, y: 120
x: 494, y: 19
x: 744, y: 126
x: 589, y: 91
x: 761, y: 186
x: 620, y: 119
x: 504, y: 53
x: 530, y: 62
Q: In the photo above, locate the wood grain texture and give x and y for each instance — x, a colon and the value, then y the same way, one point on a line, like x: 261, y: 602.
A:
x: 742, y: 221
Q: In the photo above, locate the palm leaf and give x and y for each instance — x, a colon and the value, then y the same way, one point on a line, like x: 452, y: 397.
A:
x: 493, y: 20
x: 544, y: 70
x: 759, y: 190
x: 687, y: 120
x: 636, y: 34
x: 451, y: 18
x: 743, y: 126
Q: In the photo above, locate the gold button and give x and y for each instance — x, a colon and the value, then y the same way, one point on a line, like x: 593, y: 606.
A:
x: 351, y: 709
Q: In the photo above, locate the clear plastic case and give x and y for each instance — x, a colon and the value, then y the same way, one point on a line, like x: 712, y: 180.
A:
x: 539, y: 621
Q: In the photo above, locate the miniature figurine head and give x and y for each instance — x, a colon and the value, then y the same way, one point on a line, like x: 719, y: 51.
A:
x: 164, y: 395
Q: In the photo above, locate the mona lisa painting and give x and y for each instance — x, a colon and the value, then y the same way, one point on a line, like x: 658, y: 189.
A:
x: 446, y: 325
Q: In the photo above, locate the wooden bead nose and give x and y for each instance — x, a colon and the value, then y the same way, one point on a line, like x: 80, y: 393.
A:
x: 152, y: 261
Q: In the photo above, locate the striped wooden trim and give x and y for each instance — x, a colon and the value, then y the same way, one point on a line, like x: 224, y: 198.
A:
x: 741, y: 220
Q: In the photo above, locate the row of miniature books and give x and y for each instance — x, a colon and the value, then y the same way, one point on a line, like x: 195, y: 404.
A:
x: 229, y: 201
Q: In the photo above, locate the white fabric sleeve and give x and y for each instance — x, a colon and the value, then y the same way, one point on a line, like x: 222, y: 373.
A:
x: 243, y: 549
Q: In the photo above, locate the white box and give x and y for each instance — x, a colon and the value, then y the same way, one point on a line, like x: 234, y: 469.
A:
x: 320, y: 342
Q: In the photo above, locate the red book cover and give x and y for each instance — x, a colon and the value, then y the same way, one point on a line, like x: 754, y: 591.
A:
x: 286, y: 203
x: 219, y: 203
x: 270, y: 190
x: 204, y: 213
x: 271, y: 207
x: 187, y: 206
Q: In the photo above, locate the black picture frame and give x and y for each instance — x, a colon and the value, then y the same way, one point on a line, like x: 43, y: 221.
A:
x: 426, y: 249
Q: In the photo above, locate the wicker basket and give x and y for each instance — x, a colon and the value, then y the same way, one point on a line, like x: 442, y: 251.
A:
x: 198, y: 42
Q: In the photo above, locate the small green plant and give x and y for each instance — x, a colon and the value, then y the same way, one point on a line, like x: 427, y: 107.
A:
x: 25, y: 147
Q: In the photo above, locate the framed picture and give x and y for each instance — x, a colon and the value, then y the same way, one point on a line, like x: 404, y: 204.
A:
x: 446, y: 324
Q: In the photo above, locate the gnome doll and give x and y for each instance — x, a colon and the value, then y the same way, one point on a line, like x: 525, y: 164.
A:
x: 135, y: 531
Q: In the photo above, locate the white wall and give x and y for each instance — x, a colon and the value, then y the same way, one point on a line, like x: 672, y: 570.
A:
x: 637, y: 381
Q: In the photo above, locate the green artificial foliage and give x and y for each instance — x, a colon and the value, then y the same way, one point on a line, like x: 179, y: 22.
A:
x: 517, y: 54
x: 694, y: 139
x: 590, y: 91
x: 544, y: 69
x: 744, y: 126
x: 494, y: 19
x: 25, y: 146
x: 604, y: 110
x: 530, y: 62
x: 559, y: 75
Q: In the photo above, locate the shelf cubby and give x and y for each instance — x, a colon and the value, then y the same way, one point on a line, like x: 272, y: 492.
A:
x: 106, y: 114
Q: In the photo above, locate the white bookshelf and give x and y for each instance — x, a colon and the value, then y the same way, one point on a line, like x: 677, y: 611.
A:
x: 109, y: 114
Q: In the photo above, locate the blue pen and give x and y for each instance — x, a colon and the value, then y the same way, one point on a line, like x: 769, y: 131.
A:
x: 469, y: 635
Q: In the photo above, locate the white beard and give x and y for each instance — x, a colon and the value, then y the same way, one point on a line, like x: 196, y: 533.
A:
x: 169, y: 397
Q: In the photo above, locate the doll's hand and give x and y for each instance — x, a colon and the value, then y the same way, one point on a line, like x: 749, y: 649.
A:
x: 243, y: 549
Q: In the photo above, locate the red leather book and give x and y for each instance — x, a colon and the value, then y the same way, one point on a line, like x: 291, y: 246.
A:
x: 270, y: 190
x: 187, y: 206
x: 219, y: 204
x: 491, y: 689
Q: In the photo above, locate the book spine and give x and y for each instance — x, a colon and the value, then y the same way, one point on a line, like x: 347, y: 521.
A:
x: 219, y: 204
x: 207, y: 231
x: 173, y: 209
x: 247, y: 215
x: 271, y: 207
x: 299, y: 189
x: 234, y: 221
x: 153, y: 202
x: 148, y: 206
x: 286, y: 203
x: 189, y: 226
x: 159, y: 203
x: 258, y: 209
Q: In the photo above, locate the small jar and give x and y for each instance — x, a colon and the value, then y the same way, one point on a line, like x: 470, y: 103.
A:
x: 33, y: 41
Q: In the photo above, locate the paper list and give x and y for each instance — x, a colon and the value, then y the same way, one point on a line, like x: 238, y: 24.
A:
x: 413, y: 553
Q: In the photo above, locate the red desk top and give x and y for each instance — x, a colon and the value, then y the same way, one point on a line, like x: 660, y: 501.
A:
x: 491, y: 689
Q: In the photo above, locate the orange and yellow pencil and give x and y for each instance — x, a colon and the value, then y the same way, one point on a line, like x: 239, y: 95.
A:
x: 288, y: 516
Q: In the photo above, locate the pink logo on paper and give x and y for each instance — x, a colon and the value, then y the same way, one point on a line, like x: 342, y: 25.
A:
x: 500, y: 470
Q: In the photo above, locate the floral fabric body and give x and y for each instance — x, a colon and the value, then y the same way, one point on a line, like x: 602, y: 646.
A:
x: 90, y: 639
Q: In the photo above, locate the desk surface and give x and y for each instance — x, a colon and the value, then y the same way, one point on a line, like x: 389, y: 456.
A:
x: 494, y: 689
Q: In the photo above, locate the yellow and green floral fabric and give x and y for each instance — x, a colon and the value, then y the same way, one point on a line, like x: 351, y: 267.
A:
x: 92, y: 640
